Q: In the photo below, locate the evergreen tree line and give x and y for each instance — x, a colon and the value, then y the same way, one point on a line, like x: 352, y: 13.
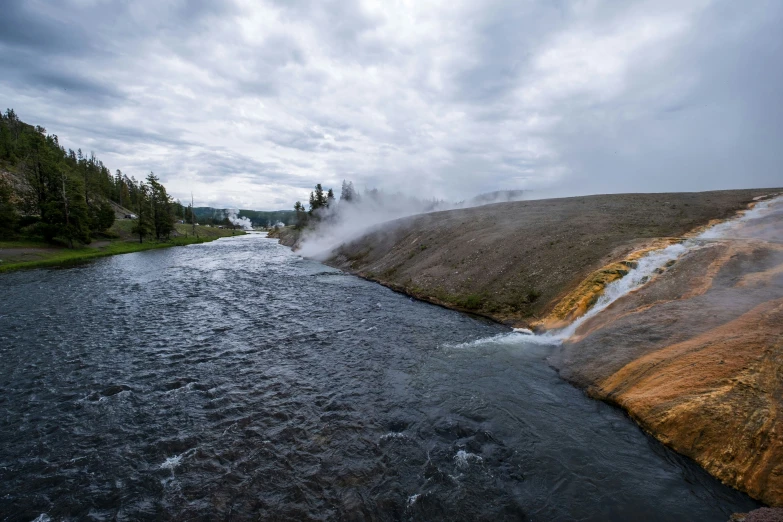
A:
x: 259, y: 218
x: 320, y: 203
x: 58, y: 194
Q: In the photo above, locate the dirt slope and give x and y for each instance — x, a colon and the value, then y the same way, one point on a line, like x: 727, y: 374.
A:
x: 514, y: 261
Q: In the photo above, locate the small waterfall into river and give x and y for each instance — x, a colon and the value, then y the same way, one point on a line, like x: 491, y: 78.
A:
x: 651, y: 265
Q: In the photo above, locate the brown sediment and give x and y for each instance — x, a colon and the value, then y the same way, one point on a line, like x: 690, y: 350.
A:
x: 288, y: 236
x: 765, y: 277
x: 716, y: 398
x: 577, y: 302
x: 759, y: 515
x: 696, y: 358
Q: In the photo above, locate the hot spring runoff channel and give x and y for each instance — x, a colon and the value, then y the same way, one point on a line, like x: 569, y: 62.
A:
x: 235, y: 379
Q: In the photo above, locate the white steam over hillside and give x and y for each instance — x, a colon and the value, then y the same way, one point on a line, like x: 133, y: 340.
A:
x: 330, y: 223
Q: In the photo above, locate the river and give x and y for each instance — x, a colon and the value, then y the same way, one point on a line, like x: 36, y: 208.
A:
x: 236, y: 380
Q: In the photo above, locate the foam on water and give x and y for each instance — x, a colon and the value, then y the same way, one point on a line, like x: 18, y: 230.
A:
x: 509, y: 338
x: 393, y: 435
x: 171, y: 462
x: 463, y: 458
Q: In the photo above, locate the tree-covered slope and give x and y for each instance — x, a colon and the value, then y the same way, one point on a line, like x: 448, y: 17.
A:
x: 54, y: 194
x: 259, y: 218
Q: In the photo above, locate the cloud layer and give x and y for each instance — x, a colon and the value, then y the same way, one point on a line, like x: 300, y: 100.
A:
x: 250, y: 103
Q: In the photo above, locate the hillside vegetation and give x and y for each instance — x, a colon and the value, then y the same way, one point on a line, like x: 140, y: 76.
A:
x: 64, y: 196
x: 59, y: 206
x: 258, y: 218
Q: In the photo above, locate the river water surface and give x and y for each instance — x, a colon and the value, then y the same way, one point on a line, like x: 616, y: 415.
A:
x: 236, y: 380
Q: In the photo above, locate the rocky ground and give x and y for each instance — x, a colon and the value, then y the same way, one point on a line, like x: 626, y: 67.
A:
x: 288, y: 236
x: 696, y: 357
x: 514, y: 262
x: 759, y: 515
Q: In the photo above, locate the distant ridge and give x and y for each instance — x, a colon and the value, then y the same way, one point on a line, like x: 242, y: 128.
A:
x: 259, y: 218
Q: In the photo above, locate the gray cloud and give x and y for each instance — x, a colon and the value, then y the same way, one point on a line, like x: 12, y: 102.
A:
x: 22, y: 26
x: 251, y: 104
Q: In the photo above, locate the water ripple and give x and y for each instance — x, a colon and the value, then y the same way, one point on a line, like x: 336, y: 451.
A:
x: 236, y: 380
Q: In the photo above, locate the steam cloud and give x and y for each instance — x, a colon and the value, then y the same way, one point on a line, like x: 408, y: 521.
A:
x: 243, y: 222
x: 349, y: 220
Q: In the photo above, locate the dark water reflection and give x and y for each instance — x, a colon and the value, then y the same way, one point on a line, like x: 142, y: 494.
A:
x: 236, y: 380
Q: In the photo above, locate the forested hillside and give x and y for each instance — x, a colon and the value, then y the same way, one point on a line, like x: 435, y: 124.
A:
x: 59, y: 195
x: 259, y: 218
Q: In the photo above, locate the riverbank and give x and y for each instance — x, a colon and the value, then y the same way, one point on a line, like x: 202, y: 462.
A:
x: 516, y: 262
x: 142, y: 380
x: 287, y: 236
x: 695, y: 356
x: 27, y: 254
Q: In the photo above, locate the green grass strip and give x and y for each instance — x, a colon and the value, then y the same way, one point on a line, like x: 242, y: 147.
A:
x: 67, y: 257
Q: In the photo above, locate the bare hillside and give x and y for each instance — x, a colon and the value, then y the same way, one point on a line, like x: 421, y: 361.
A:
x: 514, y: 261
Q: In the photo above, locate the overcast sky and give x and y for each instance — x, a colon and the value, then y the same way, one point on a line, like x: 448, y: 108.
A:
x: 250, y: 103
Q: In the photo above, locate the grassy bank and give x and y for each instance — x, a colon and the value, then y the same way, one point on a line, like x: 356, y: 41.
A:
x: 25, y: 254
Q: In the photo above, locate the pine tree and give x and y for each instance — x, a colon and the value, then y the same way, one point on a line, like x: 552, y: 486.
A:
x: 8, y: 214
x: 329, y: 198
x: 125, y: 197
x: 161, y: 205
x: 348, y: 193
x: 301, y: 215
x: 320, y: 196
x: 14, y: 125
x: 344, y: 196
x: 142, y: 226
x: 318, y: 199
x: 6, y: 144
x: 65, y: 214
x: 102, y: 217
x: 118, y: 186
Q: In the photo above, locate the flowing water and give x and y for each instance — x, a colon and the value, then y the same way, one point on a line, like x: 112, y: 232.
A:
x: 236, y: 380
x: 759, y: 223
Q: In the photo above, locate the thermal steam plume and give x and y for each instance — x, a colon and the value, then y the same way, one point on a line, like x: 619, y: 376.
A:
x: 355, y: 214
x: 242, y: 222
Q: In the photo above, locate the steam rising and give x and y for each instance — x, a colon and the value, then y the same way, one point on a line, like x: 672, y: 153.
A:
x: 349, y: 220
x: 242, y: 222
